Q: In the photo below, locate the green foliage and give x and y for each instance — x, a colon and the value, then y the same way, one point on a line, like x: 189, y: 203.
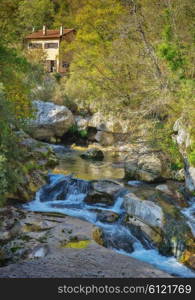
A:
x: 172, y: 54
x: 44, y: 90
x: 83, y: 133
x: 73, y: 129
x: 34, y: 13
x: 76, y: 132
x: 164, y: 141
x: 3, y: 179
x: 191, y: 158
x: 13, y: 71
x: 10, y: 155
x: 57, y: 76
x: 133, y: 59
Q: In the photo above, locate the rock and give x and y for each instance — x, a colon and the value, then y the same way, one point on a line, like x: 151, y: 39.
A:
x: 81, y: 122
x: 107, y: 216
x: 93, y: 261
x: 108, y: 123
x: 190, y: 178
x: 147, y: 167
x: 185, y: 141
x: 104, y: 138
x: 5, y: 235
x: 146, y: 211
x: 51, y: 121
x: 182, y: 135
x: 97, y: 235
x: 179, y: 175
x: 38, y: 158
x: 38, y: 251
x: 103, y: 191
x: 93, y: 153
x: 145, y: 233
x: 164, y: 188
x: 191, y: 261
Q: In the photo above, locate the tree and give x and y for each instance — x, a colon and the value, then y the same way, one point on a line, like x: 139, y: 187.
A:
x: 35, y: 14
x: 97, y: 29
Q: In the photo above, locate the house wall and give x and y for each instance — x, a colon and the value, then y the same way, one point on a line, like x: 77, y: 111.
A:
x: 52, y: 54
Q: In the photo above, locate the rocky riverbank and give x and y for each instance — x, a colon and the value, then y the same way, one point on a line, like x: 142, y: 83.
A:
x: 152, y: 211
x: 51, y: 245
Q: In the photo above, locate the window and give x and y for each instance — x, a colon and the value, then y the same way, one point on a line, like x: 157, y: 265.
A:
x: 35, y: 46
x: 51, y: 45
x: 65, y: 64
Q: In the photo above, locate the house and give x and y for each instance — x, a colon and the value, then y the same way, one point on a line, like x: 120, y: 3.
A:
x: 51, y: 41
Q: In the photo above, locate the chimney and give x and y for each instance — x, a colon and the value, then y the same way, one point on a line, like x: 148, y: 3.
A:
x: 33, y: 29
x: 61, y: 30
x: 44, y: 30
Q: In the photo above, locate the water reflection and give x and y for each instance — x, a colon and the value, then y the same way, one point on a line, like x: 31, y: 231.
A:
x: 72, y: 163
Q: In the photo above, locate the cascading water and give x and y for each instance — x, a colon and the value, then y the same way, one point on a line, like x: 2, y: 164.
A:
x: 189, y: 212
x: 66, y: 194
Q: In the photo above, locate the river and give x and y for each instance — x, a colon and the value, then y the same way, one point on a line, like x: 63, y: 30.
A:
x: 72, y: 179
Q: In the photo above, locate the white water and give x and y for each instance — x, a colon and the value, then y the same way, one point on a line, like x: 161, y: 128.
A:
x: 167, y: 264
x: 189, y: 212
x: 75, y: 206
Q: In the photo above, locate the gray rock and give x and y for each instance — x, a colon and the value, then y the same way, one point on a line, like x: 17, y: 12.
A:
x: 190, y: 179
x: 183, y: 139
x: 108, y: 216
x: 51, y: 121
x: 147, y: 211
x: 147, y: 168
x: 108, y: 123
x: 81, y: 122
x: 182, y: 135
x: 103, y: 191
x: 164, y: 188
x: 38, y: 251
x: 104, y: 138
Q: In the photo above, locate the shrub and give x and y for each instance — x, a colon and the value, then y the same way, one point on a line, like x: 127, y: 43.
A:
x: 3, y: 177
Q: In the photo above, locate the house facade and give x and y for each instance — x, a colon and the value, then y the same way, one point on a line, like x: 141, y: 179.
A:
x: 50, y: 41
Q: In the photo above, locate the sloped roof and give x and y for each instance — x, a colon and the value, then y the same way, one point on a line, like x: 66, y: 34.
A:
x: 50, y: 34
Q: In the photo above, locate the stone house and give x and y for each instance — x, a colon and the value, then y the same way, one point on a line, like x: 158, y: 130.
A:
x: 51, y: 41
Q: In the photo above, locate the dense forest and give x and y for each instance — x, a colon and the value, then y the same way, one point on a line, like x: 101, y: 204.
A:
x: 134, y: 59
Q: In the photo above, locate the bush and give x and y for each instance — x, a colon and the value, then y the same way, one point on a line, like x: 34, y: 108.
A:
x: 57, y: 77
x: 191, y: 158
x: 44, y: 91
x: 3, y: 177
x: 10, y: 154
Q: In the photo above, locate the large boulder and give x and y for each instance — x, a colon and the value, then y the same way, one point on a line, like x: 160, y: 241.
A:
x: 146, y: 211
x: 50, y: 121
x: 103, y: 192
x: 162, y: 222
x: 147, y: 167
